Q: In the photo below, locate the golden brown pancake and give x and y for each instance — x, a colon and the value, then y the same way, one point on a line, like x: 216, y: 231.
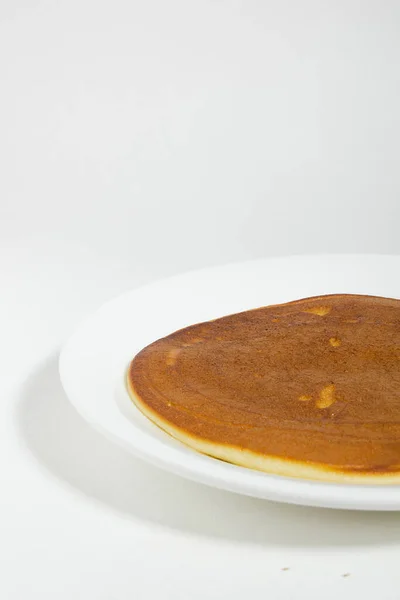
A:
x: 305, y: 389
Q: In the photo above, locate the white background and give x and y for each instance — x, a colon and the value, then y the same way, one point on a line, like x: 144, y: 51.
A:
x: 139, y: 139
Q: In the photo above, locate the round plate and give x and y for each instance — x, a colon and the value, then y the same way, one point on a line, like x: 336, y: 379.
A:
x: 93, y: 363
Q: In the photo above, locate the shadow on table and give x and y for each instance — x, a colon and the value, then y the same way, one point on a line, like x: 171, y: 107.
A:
x: 81, y: 457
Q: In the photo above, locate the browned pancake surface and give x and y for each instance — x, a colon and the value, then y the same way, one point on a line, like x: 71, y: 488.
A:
x: 315, y: 382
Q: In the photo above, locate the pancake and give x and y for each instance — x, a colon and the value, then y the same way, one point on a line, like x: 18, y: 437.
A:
x: 306, y: 389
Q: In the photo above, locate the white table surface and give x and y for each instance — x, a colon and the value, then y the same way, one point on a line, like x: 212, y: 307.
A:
x: 81, y: 518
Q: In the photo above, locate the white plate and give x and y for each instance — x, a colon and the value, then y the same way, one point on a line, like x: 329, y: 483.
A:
x: 94, y: 361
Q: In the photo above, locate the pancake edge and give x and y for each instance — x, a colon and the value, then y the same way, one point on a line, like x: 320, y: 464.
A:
x: 271, y: 465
